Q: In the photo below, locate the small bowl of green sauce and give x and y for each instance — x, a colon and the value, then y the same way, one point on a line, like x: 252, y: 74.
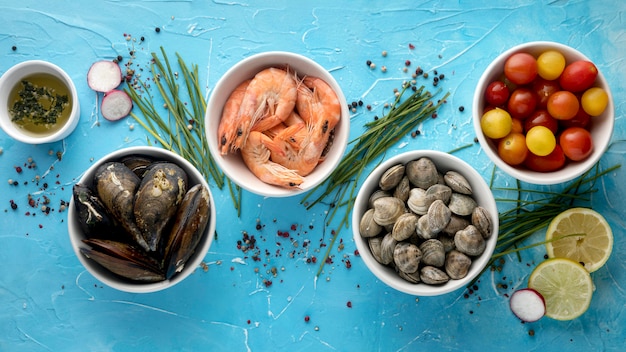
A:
x: 38, y: 102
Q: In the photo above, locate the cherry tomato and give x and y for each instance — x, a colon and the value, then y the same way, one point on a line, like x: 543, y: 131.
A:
x: 548, y: 163
x: 582, y: 119
x: 522, y: 103
x: 563, y: 105
x: 512, y: 149
x: 517, y: 126
x: 496, y: 123
x: 520, y: 68
x: 550, y: 64
x: 544, y: 88
x: 576, y: 142
x: 594, y: 101
x: 541, y: 118
x: 497, y: 93
x: 540, y: 140
x: 578, y: 76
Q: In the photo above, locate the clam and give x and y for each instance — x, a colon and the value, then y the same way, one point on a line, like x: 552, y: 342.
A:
x: 374, y: 245
x: 422, y: 172
x: 457, y: 264
x: 423, y: 228
x: 456, y: 223
x: 462, y: 204
x: 160, y: 192
x: 116, y: 185
x: 387, y: 246
x: 470, y: 241
x: 367, y: 226
x: 417, y: 201
x: 433, y: 252
x: 438, y: 216
x: 404, y: 226
x: 457, y: 182
x: 377, y: 194
x: 482, y: 220
x: 403, y: 189
x: 413, y: 278
x: 391, y: 178
x: 447, y: 241
x: 407, y: 257
x: 433, y: 276
x: 387, y: 210
x: 438, y: 191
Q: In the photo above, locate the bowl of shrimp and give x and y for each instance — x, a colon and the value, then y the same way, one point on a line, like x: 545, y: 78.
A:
x: 277, y: 124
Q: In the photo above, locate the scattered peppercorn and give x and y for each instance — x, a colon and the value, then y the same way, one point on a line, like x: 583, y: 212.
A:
x: 142, y: 38
x: 384, y: 53
x: 531, y: 332
x: 354, y: 104
x: 157, y: 29
x: 349, y: 304
x: 14, y: 48
x: 307, y: 318
x: 368, y: 62
x: 119, y: 58
x: 461, y: 108
x: 411, y: 46
x: 13, y: 204
x: 407, y: 63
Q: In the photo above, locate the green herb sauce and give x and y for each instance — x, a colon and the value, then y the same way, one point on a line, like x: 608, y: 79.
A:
x: 40, y: 104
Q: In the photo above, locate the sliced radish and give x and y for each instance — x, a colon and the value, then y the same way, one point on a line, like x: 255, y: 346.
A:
x: 104, y: 76
x: 116, y: 104
x: 527, y: 304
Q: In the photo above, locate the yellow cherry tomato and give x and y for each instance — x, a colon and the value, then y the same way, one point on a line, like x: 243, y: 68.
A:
x: 540, y: 140
x: 550, y: 65
x: 496, y: 123
x: 594, y: 101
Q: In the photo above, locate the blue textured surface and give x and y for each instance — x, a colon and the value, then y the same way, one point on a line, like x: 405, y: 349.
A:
x: 50, y: 303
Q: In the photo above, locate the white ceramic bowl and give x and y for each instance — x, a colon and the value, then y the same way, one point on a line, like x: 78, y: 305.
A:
x: 113, y: 280
x: 232, y: 164
x: 601, y: 130
x: 444, y: 162
x: 12, y: 77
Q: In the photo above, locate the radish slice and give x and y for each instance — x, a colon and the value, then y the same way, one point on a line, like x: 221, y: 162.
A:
x: 104, y: 76
x: 527, y: 304
x: 116, y: 104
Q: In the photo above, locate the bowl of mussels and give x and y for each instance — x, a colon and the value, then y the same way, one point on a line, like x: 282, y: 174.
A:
x: 425, y: 222
x: 141, y: 219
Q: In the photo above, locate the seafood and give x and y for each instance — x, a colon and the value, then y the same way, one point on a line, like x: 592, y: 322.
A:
x: 270, y: 98
x: 407, y: 257
x: 439, y: 217
x: 116, y: 185
x: 157, y: 198
x: 229, y: 131
x: 256, y: 156
x: 157, y: 202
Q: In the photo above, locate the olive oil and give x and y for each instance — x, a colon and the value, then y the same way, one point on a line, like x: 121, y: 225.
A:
x: 40, y: 104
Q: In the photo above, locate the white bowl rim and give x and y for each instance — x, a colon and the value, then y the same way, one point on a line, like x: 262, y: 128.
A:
x: 264, y: 60
x: 386, y: 274
x: 111, y: 279
x: 50, y: 68
x: 543, y: 178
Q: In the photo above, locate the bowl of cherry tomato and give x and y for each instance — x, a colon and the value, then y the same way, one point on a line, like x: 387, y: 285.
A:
x: 543, y: 112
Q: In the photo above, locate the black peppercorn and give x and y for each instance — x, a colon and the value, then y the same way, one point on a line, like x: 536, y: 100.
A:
x: 157, y: 29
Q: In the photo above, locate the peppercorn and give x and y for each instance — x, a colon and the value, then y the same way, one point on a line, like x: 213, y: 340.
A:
x: 157, y: 29
x: 119, y: 58
x: 411, y: 46
x: 13, y: 48
x: 142, y: 38
x: 354, y: 104
x: 368, y: 62
x: 461, y: 108
x: 360, y: 102
x: 407, y: 63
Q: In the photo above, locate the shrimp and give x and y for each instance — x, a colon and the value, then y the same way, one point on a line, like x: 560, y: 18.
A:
x: 229, y: 127
x: 320, y: 110
x: 269, y: 99
x: 256, y: 156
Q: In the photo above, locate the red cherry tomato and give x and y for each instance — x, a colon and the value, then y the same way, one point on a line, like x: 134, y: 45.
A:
x: 522, y: 103
x: 576, y: 143
x: 582, y: 119
x: 578, y: 76
x: 544, y: 88
x: 563, y: 105
x: 520, y: 68
x: 541, y: 118
x: 497, y: 93
x: 548, y: 163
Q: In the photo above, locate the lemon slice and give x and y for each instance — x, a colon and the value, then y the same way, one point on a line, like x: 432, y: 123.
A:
x: 565, y: 285
x: 589, y: 241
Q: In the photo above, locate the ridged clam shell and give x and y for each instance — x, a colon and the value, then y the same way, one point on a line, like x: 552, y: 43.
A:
x: 456, y: 223
x: 423, y: 228
x: 433, y: 276
x: 417, y: 201
x: 438, y: 191
x: 433, y: 253
x: 404, y: 226
x: 387, y: 246
x: 457, y: 182
x: 387, y: 210
x: 470, y: 241
x: 457, y: 264
x: 391, y: 178
x: 462, y: 204
x: 377, y: 194
x: 447, y: 241
x: 482, y: 220
x: 438, y: 216
x: 413, y: 278
x: 403, y: 189
x: 367, y: 226
x: 374, y: 245
x: 422, y: 172
x: 407, y: 257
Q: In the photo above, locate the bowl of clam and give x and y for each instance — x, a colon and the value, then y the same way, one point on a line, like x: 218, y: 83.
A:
x: 425, y: 222
x: 141, y: 219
